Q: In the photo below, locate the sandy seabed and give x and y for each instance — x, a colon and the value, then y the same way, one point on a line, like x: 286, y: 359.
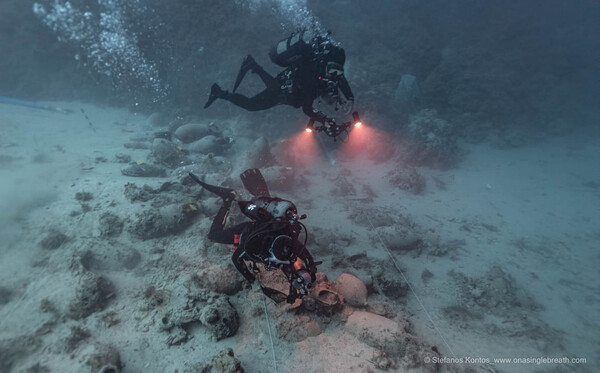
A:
x: 494, y: 259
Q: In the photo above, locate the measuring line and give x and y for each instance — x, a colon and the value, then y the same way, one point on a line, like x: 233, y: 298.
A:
x: 270, y: 336
x: 412, y: 290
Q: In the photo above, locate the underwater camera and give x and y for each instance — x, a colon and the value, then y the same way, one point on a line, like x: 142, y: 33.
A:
x: 333, y: 129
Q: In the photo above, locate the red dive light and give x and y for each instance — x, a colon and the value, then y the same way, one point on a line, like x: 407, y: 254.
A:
x: 332, y: 129
x: 357, y: 121
x: 310, y: 126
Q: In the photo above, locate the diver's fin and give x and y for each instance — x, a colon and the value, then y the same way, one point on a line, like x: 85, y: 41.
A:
x: 255, y: 183
x: 225, y: 193
x: 247, y: 65
x: 215, y: 93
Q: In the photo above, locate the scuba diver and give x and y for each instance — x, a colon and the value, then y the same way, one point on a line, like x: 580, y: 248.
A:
x: 271, y: 238
x: 314, y: 69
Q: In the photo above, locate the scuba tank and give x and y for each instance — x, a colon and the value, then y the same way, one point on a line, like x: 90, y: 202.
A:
x: 292, y: 49
x: 268, y: 208
x: 277, y: 207
x: 306, y: 44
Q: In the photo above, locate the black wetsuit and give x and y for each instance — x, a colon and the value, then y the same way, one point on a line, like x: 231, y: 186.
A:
x: 297, y: 86
x: 255, y: 239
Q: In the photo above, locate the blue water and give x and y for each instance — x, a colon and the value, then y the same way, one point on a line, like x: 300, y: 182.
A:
x: 467, y: 203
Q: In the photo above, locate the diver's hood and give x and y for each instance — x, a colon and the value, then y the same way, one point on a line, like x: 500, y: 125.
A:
x: 334, y: 70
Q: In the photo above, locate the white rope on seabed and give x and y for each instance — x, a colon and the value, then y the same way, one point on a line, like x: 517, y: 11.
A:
x: 412, y: 290
x: 270, y: 336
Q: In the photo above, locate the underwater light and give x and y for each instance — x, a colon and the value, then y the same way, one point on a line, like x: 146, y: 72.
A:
x: 357, y: 121
x: 332, y: 129
x: 310, y: 126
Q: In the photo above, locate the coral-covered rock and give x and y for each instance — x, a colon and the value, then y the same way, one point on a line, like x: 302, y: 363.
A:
x: 160, y: 222
x: 403, y: 239
x: 226, y: 362
x: 134, y: 193
x: 434, y: 140
x: 75, y: 338
x: 166, y: 153
x: 105, y: 359
x: 497, y: 293
x: 407, y: 179
x: 109, y: 225
x: 219, y: 279
x: 220, y: 318
x: 93, y: 296
x: 191, y: 307
x: 53, y: 240
x: 387, y: 282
